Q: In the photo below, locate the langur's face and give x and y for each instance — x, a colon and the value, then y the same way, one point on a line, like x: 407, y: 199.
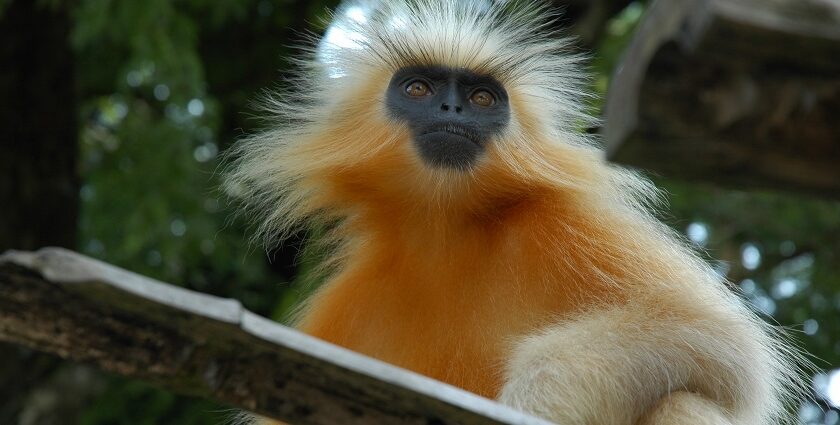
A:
x: 452, y: 114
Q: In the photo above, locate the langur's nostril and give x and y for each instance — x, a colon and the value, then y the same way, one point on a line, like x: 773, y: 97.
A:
x: 458, y: 109
x: 444, y: 107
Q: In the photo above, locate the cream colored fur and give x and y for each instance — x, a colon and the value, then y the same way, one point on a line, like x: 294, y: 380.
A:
x: 612, y: 366
x: 664, y: 342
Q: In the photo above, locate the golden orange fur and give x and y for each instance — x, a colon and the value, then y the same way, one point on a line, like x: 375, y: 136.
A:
x: 538, y: 276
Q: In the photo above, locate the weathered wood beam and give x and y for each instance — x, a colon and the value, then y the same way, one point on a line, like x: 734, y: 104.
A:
x: 744, y: 93
x: 78, y: 308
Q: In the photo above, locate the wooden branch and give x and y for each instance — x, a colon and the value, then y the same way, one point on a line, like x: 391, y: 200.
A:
x: 63, y: 303
x: 739, y: 92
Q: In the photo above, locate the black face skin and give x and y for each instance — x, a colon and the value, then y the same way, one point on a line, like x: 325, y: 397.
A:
x: 452, y: 113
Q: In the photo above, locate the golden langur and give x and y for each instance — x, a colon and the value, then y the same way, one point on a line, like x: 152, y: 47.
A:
x: 480, y: 238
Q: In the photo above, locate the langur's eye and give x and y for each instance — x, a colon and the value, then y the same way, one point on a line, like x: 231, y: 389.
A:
x: 418, y: 88
x: 483, y: 98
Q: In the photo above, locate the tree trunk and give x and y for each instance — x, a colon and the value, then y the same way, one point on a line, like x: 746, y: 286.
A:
x: 38, y: 152
x: 38, y: 129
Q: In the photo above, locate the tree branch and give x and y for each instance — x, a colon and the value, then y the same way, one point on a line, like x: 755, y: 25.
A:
x: 63, y: 303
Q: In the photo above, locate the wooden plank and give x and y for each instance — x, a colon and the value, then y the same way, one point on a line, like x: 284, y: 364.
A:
x: 78, y: 308
x: 743, y: 93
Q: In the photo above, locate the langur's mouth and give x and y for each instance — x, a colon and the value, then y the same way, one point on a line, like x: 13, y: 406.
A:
x: 449, y: 146
x: 455, y: 130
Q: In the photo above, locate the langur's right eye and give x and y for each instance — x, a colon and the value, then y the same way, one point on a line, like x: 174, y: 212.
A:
x: 418, y: 88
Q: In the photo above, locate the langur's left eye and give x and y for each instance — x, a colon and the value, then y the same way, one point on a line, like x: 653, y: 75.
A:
x: 483, y: 98
x: 418, y: 88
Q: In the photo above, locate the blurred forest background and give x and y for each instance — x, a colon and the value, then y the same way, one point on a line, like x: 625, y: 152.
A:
x: 118, y: 110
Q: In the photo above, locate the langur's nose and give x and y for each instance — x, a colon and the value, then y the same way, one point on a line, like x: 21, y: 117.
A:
x: 445, y: 107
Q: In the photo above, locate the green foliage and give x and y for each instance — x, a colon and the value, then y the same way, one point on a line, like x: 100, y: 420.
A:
x: 781, y: 252
x: 795, y: 276
x: 137, y: 403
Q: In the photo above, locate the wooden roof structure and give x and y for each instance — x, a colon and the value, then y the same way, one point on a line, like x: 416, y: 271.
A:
x: 743, y: 93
